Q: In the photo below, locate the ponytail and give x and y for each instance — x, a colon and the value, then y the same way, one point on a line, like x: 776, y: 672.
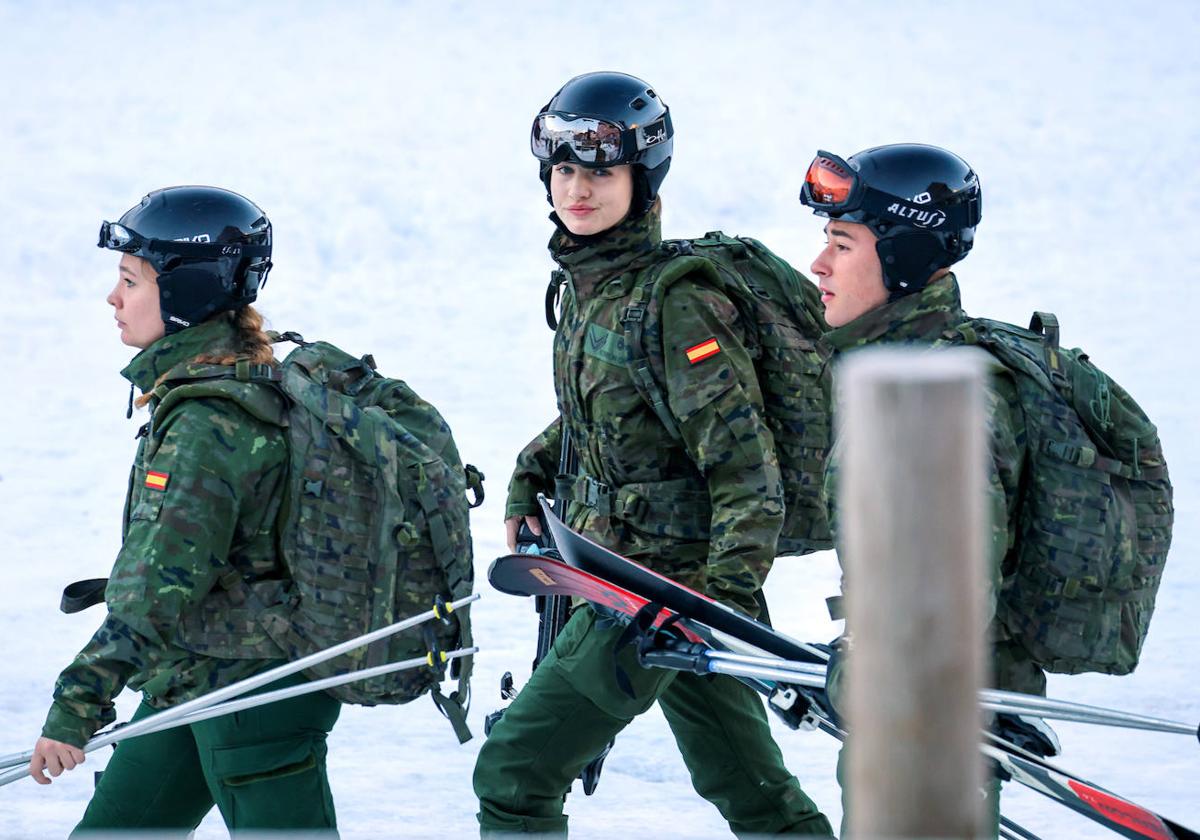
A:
x: 250, y: 343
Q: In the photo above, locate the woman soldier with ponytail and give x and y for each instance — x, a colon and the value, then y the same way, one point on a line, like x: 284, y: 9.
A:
x: 204, y: 494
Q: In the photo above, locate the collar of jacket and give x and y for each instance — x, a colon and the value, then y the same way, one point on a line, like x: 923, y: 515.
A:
x: 591, y: 261
x: 913, y: 319
x: 208, y: 337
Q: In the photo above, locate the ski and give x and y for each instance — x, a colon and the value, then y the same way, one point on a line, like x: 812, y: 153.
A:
x: 545, y: 576
x: 589, y: 556
x: 1089, y: 799
x: 534, y: 575
x: 528, y: 575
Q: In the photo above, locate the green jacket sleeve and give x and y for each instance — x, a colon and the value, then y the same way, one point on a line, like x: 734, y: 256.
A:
x: 217, y: 461
x: 713, y: 392
x: 536, y: 467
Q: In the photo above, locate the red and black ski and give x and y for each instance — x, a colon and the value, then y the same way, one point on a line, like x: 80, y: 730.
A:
x: 529, y: 575
x: 1087, y: 798
x: 582, y: 553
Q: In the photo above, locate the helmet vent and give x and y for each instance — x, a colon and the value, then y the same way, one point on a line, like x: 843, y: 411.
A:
x: 638, y: 104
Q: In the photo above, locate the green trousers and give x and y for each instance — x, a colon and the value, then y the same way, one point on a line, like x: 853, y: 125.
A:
x: 264, y: 768
x: 573, y: 706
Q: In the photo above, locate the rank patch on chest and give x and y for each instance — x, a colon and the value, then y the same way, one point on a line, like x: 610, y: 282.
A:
x: 605, y: 345
x: 157, y: 480
x: 703, y: 350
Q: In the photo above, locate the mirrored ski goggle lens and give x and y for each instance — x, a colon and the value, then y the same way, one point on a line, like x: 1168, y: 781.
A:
x: 828, y: 182
x: 117, y: 237
x: 590, y: 140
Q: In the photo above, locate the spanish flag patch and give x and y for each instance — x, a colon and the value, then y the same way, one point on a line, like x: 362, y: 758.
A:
x: 703, y: 350
x: 157, y: 480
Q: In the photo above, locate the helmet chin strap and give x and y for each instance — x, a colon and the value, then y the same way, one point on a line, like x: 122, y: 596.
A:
x: 909, y: 259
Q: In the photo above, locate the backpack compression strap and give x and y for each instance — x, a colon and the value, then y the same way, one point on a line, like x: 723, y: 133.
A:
x: 654, y: 282
x: 454, y: 707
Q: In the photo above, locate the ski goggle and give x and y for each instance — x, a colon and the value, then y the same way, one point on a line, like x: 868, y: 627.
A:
x: 117, y: 237
x: 831, y: 184
x: 833, y: 187
x: 592, y: 140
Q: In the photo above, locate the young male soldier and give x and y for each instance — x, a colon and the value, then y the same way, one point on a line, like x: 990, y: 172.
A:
x: 899, y: 217
x: 704, y: 508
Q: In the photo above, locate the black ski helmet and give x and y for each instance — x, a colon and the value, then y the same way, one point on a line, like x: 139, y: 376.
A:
x: 211, y: 249
x: 922, y: 202
x: 627, y: 104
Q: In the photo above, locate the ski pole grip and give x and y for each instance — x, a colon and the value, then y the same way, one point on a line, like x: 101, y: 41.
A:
x: 691, y: 661
x: 82, y: 594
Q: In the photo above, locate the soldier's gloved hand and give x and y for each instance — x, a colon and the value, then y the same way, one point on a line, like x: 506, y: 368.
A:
x: 53, y: 757
x: 835, y: 674
x: 513, y: 524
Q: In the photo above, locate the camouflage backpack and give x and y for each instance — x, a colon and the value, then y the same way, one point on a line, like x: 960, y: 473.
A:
x: 373, y: 528
x: 1096, y: 506
x: 783, y: 311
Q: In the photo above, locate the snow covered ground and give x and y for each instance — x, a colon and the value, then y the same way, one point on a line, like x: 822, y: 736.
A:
x: 388, y: 142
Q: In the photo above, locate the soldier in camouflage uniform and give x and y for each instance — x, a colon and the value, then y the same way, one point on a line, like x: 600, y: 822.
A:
x: 705, y: 510
x: 899, y: 216
x: 204, y: 493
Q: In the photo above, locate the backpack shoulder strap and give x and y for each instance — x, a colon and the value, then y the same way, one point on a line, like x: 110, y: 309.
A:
x: 254, y: 387
x: 648, y: 291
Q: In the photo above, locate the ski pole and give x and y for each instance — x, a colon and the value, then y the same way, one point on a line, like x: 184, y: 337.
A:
x: 1078, y: 712
x: 806, y: 668
x: 122, y: 733
x: 812, y: 676
x: 237, y: 689
x: 256, y: 700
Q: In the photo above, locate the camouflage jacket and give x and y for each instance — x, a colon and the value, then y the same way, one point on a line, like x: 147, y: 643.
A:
x: 922, y: 319
x: 204, y: 492
x: 705, y: 510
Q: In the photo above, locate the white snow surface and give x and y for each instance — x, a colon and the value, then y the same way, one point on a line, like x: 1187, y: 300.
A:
x: 388, y: 143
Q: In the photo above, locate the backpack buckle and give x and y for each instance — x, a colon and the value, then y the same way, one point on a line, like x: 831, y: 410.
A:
x: 634, y: 508
x: 598, y: 496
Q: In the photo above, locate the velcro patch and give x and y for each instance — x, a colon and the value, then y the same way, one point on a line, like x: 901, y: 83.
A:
x: 703, y: 350
x: 157, y: 480
x: 605, y: 345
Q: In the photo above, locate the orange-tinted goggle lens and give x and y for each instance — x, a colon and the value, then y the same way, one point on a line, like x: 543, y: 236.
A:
x: 828, y: 182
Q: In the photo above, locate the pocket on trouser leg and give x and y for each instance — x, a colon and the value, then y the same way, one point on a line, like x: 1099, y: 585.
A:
x: 589, y: 664
x: 273, y: 785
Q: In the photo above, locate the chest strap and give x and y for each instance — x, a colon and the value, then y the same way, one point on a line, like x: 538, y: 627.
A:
x: 661, y: 507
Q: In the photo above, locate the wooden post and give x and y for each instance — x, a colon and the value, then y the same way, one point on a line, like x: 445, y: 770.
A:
x: 912, y: 452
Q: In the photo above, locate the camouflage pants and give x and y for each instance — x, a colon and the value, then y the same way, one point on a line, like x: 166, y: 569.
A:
x: 572, y: 707
x: 264, y: 768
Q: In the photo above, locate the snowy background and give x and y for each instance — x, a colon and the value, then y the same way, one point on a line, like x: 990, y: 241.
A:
x: 388, y: 143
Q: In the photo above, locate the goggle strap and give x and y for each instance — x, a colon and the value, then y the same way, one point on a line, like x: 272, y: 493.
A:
x: 207, y: 249
x: 880, y: 204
